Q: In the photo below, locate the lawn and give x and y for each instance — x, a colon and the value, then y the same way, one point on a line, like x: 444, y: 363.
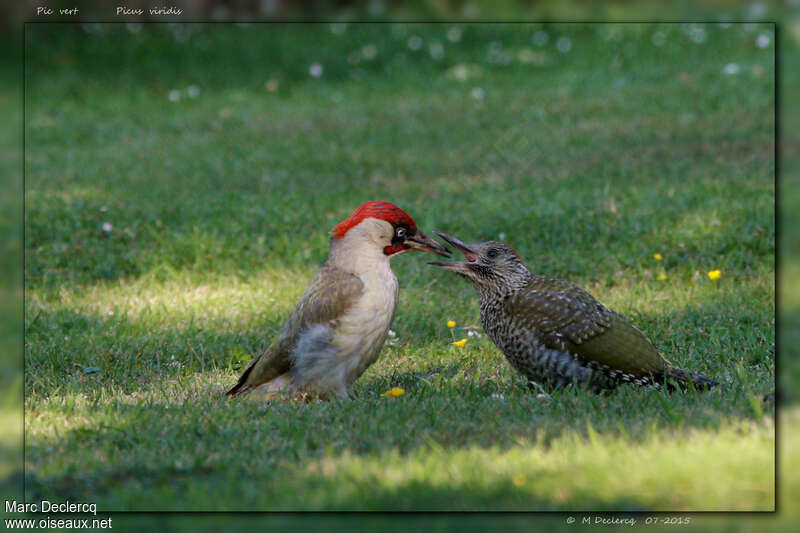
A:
x: 181, y: 182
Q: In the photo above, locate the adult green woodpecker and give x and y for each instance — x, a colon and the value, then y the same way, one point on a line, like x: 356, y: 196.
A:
x: 342, y: 319
x: 554, y: 332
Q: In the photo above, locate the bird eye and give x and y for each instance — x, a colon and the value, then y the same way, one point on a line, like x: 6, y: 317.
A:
x: 401, y: 232
x: 492, y: 253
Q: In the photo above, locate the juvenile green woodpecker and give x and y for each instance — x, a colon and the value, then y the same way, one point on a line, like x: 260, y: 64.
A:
x: 554, y: 332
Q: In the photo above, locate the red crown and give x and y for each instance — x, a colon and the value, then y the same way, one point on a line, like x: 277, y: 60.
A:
x: 380, y: 210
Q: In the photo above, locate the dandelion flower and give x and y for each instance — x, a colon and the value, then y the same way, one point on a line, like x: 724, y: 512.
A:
x: 272, y: 85
x: 394, y: 392
x: 518, y: 480
x: 714, y: 275
x: 451, y: 324
x: 661, y: 277
x: 657, y: 256
x: 460, y: 343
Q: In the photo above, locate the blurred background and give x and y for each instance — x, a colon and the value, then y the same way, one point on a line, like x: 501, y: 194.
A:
x: 343, y: 64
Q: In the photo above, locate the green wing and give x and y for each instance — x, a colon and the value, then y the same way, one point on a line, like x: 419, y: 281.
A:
x: 567, y: 317
x: 328, y: 297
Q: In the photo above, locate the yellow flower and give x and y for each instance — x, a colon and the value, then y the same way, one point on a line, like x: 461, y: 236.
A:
x: 393, y: 392
x: 271, y: 85
x: 714, y: 275
x: 661, y: 277
x: 518, y: 480
x: 657, y: 256
x: 460, y: 343
x: 451, y: 324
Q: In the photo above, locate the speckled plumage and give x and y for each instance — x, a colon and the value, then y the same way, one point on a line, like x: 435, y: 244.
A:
x: 553, y: 332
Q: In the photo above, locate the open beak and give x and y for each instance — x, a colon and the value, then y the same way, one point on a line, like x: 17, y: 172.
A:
x: 457, y: 266
x: 423, y: 243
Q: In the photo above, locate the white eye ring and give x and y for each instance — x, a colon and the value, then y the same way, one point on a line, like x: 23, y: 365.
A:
x: 401, y: 232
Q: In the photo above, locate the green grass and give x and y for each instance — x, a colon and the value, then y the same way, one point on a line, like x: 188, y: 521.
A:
x: 588, y: 162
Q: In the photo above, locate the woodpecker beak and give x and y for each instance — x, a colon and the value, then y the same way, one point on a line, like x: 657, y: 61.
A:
x: 460, y: 267
x: 423, y: 243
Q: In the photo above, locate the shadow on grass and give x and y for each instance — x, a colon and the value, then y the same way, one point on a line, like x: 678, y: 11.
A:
x: 70, y: 351
x: 173, y: 437
x: 241, y: 456
x: 129, y: 409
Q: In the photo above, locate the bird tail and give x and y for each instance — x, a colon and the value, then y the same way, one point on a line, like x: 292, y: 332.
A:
x: 685, y: 379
